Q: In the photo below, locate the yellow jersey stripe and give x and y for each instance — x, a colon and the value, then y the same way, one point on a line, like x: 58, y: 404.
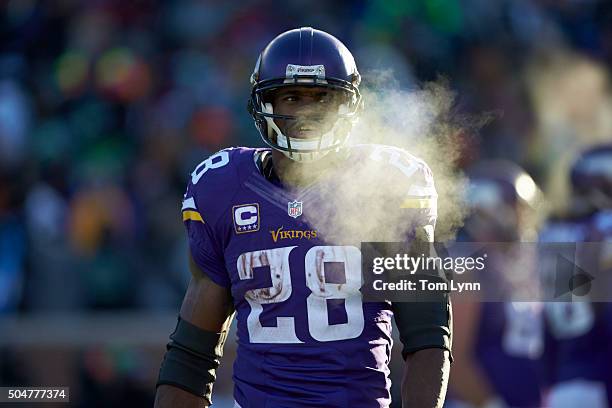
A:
x: 192, y: 215
x: 419, y: 203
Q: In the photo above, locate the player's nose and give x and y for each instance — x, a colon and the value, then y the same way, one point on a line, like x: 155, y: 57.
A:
x: 309, y: 108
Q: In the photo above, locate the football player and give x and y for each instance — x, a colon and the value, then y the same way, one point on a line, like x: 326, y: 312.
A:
x: 581, y: 330
x: 306, y: 337
x: 497, y: 345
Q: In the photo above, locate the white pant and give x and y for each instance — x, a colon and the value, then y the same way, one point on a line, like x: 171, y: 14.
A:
x: 578, y: 393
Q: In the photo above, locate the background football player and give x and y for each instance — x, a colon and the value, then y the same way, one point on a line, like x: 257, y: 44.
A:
x: 498, y: 344
x: 305, y: 336
x: 579, y: 356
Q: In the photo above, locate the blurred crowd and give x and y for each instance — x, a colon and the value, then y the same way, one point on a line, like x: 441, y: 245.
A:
x: 106, y: 105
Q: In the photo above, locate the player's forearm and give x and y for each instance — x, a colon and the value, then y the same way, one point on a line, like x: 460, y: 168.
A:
x: 168, y: 396
x: 469, y: 383
x: 425, y: 378
x: 187, y: 373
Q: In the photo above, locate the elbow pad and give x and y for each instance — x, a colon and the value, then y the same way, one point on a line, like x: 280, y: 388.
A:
x: 191, y: 359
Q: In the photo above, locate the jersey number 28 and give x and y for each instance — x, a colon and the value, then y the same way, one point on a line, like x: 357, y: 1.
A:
x: 277, y: 260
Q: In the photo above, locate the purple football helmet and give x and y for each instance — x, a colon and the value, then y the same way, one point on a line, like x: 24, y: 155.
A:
x: 502, y: 199
x: 311, y: 58
x: 591, y: 177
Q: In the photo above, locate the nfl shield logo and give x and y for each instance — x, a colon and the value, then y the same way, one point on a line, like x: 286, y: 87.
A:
x: 294, y: 208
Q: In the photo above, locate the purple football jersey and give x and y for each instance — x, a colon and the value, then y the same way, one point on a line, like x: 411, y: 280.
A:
x: 305, y: 337
x: 508, y: 348
x: 580, y: 331
x: 509, y: 336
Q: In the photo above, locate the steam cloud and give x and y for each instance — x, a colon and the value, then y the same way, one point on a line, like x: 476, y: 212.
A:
x: 419, y: 121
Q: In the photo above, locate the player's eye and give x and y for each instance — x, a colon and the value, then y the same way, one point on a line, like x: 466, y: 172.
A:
x: 290, y: 98
x: 324, y: 98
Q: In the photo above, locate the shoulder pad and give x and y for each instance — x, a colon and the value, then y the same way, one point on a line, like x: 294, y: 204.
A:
x: 602, y: 221
x: 563, y: 231
x: 409, y: 170
x: 214, y: 182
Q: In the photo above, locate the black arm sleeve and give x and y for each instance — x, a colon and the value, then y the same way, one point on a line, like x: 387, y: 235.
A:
x: 192, y: 358
x: 424, y: 325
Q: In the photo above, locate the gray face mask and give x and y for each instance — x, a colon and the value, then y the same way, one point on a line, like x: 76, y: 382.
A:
x: 310, y: 149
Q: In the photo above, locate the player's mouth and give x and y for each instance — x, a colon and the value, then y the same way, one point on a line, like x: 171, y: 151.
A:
x: 304, y: 131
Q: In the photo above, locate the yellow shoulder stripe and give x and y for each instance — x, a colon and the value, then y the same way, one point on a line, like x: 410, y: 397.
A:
x: 192, y: 215
x: 419, y: 203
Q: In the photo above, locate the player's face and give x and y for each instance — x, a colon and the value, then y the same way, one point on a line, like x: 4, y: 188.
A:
x: 314, y: 107
x: 499, y: 224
